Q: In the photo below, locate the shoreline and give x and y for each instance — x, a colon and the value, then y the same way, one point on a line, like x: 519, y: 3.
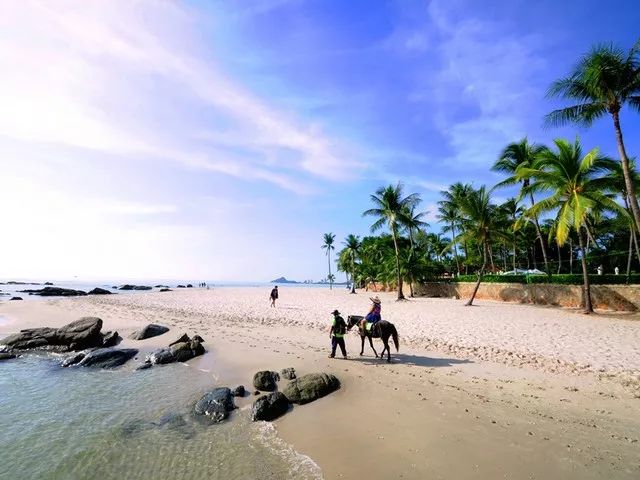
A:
x: 429, y: 414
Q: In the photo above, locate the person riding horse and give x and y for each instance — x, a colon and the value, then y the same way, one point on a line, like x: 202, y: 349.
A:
x: 379, y: 329
x: 374, y: 314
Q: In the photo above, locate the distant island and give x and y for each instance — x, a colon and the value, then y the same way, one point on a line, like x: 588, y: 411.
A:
x: 306, y: 282
x: 283, y: 280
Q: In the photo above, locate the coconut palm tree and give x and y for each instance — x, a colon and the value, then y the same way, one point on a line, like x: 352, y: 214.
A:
x: 481, y: 225
x: 448, y: 214
x: 606, y: 79
x: 390, y: 209
x: 413, y: 222
x: 577, y: 189
x: 514, y: 155
x: 352, y: 250
x: 511, y: 212
x: 328, y: 246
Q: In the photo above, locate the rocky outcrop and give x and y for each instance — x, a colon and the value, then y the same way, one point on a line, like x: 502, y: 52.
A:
x: 110, y: 339
x: 78, y: 335
x: 134, y: 287
x: 151, y: 330
x: 216, y: 404
x: 166, y: 290
x: 15, y: 298
x: 7, y: 355
x: 189, y: 285
x: 100, y: 291
x: 181, y: 286
x: 55, y: 292
x: 266, y: 380
x: 269, y: 407
x: 239, y: 391
x: 310, y: 387
x: 108, y: 357
x: 181, y: 350
x: 288, y: 373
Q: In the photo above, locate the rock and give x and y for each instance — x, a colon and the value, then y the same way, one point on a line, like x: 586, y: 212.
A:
x: 266, y: 380
x: 288, y: 373
x: 189, y: 285
x: 108, y: 357
x: 182, y: 351
x: 7, y: 355
x: 257, y: 392
x: 196, y: 347
x: 144, y: 366
x: 48, y: 283
x: 198, y: 338
x: 15, y: 298
x: 134, y: 287
x: 73, y: 359
x: 216, y: 404
x: 181, y: 286
x: 55, y: 292
x: 239, y: 391
x: 166, y: 290
x: 151, y: 330
x: 183, y: 338
x: 100, y: 291
x: 110, y: 339
x: 310, y: 387
x: 78, y: 335
x: 161, y: 356
x: 269, y: 407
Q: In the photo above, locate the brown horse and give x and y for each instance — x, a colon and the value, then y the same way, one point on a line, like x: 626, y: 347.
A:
x: 381, y: 329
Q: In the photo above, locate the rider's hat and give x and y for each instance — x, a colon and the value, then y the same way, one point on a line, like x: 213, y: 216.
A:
x: 375, y: 299
x: 335, y: 312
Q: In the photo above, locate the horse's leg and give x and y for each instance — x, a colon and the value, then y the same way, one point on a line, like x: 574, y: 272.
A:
x: 385, y: 339
x: 372, y: 347
x: 362, y: 349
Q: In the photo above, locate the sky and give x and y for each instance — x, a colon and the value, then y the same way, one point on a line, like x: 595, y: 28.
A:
x: 219, y: 140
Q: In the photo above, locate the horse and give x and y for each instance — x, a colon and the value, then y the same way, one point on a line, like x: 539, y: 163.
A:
x: 381, y: 329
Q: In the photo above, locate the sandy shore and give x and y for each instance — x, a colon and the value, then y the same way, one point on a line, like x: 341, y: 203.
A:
x: 493, y: 391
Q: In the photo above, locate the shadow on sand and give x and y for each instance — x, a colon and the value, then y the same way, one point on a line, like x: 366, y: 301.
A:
x: 406, y: 359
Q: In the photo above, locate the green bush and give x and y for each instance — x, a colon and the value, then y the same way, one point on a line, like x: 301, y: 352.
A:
x: 563, y: 279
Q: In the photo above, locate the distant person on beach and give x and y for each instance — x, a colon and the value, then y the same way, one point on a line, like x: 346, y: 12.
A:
x: 617, y: 271
x: 338, y: 329
x: 374, y: 315
x: 274, y: 296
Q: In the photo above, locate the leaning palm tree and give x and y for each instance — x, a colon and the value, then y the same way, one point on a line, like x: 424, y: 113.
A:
x: 390, y: 209
x: 577, y: 190
x: 481, y: 225
x: 352, y: 250
x: 328, y: 246
x: 606, y: 79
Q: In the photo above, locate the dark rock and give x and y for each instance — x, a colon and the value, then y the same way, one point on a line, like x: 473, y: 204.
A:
x: 115, y: 287
x: 216, y: 404
x: 55, y: 292
x: 78, y: 335
x: 198, y: 338
x: 166, y: 290
x: 134, y: 287
x: 266, y: 380
x: 48, y: 283
x: 269, y: 407
x: 133, y: 427
x: 161, y: 356
x: 257, y: 392
x: 110, y: 339
x: 151, y: 330
x: 181, y: 286
x: 182, y: 351
x: 73, y: 359
x: 100, y: 291
x: 183, y: 338
x: 177, y: 423
x: 238, y: 391
x: 288, y: 373
x: 108, y: 357
x: 196, y: 347
x: 189, y: 285
x: 15, y: 298
x: 310, y: 387
x: 144, y: 366
x: 7, y: 355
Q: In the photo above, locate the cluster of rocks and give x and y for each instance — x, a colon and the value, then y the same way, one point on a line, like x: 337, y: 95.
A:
x: 55, y: 292
x: 181, y: 350
x: 218, y: 403
x: 134, y: 287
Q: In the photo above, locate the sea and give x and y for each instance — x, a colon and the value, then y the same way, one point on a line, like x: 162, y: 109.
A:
x: 80, y: 423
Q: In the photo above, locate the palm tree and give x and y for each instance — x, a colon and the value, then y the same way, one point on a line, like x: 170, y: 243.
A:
x: 352, y: 250
x: 413, y: 221
x: 328, y: 246
x: 512, y: 212
x: 514, y: 155
x: 606, y: 79
x: 390, y: 208
x: 448, y: 214
x: 576, y: 191
x: 481, y: 225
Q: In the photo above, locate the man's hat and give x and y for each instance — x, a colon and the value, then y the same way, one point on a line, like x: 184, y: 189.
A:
x: 375, y: 299
x: 335, y: 312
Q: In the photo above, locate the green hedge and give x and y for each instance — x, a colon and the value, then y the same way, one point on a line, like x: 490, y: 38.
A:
x: 563, y: 279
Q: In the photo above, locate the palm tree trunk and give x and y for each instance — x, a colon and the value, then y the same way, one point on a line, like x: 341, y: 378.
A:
x: 630, y: 257
x: 559, y: 259
x: 540, y: 237
x: 505, y: 252
x: 480, y: 274
x: 626, y: 170
x: 353, y: 278
x: 493, y: 266
x: 533, y: 256
x: 570, y: 256
x: 586, y: 288
x: 514, y: 252
x: 455, y: 247
x: 329, y: 262
x: 399, y: 277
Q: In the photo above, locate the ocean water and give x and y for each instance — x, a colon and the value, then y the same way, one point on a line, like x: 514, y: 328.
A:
x: 77, y: 423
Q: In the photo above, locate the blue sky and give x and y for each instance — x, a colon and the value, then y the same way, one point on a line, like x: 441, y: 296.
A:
x: 220, y: 140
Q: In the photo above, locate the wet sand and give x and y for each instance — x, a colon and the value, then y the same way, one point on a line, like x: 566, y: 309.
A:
x: 453, y: 404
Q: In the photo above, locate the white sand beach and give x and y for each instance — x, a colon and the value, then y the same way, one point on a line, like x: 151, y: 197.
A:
x: 491, y: 391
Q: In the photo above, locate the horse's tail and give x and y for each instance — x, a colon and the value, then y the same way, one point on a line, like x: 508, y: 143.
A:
x: 394, y: 334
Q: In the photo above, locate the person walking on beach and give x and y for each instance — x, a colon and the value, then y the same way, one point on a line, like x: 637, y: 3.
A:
x: 274, y: 296
x: 338, y: 329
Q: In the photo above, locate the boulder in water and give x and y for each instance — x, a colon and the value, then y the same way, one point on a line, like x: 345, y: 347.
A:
x: 178, y: 351
x: 108, y: 357
x: 110, y: 339
x: 182, y: 338
x: 55, y: 292
x: 7, y: 355
x: 73, y: 359
x: 288, y: 373
x: 161, y: 356
x: 100, y: 291
x: 266, y: 380
x: 216, y: 404
x: 239, y: 391
x: 78, y: 335
x: 269, y: 407
x: 151, y: 330
x: 310, y: 387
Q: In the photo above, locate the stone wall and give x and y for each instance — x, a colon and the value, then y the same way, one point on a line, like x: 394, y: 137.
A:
x: 608, y: 297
